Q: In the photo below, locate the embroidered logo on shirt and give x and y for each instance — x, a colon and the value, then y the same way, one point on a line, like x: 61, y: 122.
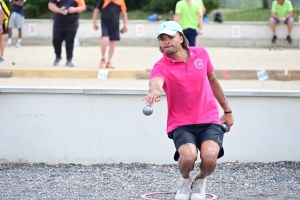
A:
x: 198, y: 63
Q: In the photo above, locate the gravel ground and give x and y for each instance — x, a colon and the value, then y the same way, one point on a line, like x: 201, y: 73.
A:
x: 279, y: 180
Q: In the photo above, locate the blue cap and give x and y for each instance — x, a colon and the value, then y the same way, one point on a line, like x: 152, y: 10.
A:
x: 169, y: 28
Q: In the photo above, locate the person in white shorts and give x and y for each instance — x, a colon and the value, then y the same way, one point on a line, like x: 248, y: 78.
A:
x: 16, y: 20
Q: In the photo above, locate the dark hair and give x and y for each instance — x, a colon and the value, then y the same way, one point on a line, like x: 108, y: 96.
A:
x: 184, y: 44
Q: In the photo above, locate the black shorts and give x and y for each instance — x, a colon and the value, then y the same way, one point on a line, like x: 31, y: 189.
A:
x: 113, y: 34
x: 197, y: 134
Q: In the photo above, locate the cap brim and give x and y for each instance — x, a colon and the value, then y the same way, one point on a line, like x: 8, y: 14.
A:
x: 168, y: 32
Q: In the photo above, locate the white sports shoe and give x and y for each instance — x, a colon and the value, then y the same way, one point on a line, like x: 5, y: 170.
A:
x: 184, y: 191
x: 198, y: 189
x: 18, y: 44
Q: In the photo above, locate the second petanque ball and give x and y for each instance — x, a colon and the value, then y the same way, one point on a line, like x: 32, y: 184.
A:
x: 147, y: 110
x: 13, y: 63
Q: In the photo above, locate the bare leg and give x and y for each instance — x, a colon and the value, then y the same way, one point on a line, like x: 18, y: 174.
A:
x: 187, y: 158
x: 20, y: 33
x: 9, y: 32
x: 273, y: 26
x: 104, y: 41
x: 2, y: 44
x: 290, y: 26
x: 208, y: 154
x: 112, y: 45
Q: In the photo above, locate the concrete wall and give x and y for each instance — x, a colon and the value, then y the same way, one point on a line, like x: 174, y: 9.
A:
x: 251, y: 34
x: 61, y: 125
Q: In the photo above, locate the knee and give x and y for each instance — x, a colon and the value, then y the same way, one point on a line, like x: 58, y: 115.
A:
x: 209, y: 160
x: 290, y: 21
x: 104, y: 39
x: 188, y: 158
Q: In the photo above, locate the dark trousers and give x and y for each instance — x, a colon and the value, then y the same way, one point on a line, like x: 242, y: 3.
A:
x: 190, y: 35
x: 67, y: 35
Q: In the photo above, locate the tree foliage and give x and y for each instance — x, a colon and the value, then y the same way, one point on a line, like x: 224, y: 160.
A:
x: 36, y: 8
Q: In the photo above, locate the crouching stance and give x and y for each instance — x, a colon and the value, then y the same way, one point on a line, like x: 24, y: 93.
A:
x: 192, y: 90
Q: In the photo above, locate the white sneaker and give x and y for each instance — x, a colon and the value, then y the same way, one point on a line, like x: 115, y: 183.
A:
x: 184, y: 191
x: 198, y: 189
x: 8, y: 44
x: 18, y: 44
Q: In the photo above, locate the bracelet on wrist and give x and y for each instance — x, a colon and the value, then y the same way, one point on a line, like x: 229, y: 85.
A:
x: 229, y: 112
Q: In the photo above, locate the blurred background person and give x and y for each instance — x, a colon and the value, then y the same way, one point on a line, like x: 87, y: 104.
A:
x: 16, y: 20
x: 282, y: 12
x: 65, y: 26
x: 188, y: 13
x: 110, y: 26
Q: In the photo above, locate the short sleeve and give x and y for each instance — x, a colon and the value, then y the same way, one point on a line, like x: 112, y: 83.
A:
x: 157, y: 71
x: 290, y: 7
x: 81, y: 2
x: 53, y: 1
x: 178, y: 7
x: 273, y: 8
x: 210, y: 67
x: 123, y: 6
x: 100, y: 4
x: 0, y: 6
x: 200, y: 9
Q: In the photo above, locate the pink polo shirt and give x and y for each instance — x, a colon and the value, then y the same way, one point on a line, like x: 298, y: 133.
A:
x: 189, y: 94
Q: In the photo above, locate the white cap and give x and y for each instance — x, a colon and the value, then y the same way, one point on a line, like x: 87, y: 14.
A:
x: 169, y: 28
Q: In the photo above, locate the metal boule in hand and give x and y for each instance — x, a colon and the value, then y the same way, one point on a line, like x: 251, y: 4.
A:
x: 225, y: 126
x: 64, y: 9
x: 147, y: 110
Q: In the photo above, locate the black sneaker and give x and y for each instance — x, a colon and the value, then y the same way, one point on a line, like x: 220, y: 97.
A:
x: 274, y: 38
x: 56, y: 61
x: 69, y: 63
x: 289, y: 39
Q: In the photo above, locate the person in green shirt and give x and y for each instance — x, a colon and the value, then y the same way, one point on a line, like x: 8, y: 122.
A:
x: 188, y: 14
x: 281, y: 12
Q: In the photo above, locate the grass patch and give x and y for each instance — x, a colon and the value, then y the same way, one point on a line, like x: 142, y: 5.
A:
x: 132, y: 15
x: 256, y: 14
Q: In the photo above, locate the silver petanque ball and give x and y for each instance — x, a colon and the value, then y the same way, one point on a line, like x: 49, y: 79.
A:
x: 225, y: 126
x: 147, y: 110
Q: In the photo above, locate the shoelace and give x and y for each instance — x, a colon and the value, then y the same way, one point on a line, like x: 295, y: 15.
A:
x: 197, y: 187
